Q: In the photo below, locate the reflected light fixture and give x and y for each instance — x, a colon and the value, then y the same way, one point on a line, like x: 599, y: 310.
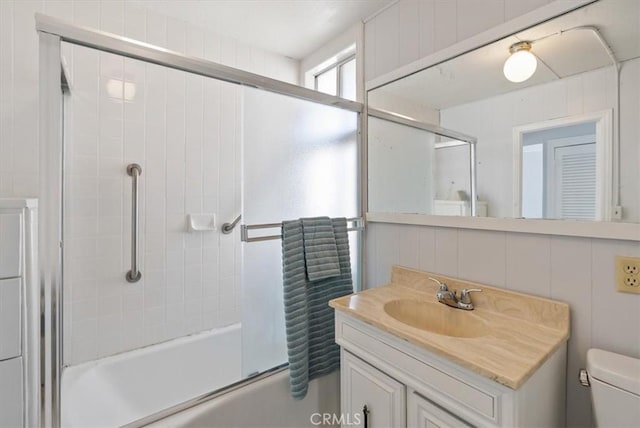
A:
x: 120, y: 89
x: 521, y: 64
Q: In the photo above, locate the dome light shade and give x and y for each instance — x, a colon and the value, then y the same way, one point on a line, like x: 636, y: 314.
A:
x: 521, y: 65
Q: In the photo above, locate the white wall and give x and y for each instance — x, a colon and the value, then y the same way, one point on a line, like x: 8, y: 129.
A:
x: 19, y: 68
x: 492, y: 121
x: 185, y: 132
x: 412, y: 29
x: 579, y: 271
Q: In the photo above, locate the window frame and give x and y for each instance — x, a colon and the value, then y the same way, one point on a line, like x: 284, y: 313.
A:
x: 338, y: 66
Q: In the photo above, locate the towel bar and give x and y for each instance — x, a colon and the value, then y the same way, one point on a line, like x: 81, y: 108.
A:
x: 358, y: 224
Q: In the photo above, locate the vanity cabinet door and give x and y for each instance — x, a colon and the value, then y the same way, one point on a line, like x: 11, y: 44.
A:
x: 370, y: 398
x: 422, y: 413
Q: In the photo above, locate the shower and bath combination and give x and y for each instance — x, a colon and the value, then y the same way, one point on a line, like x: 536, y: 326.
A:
x: 144, y: 269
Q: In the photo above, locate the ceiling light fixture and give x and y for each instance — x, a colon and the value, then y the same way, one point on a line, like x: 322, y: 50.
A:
x: 521, y: 64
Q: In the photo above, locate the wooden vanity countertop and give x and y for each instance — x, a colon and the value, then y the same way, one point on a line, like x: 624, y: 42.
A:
x: 523, y: 330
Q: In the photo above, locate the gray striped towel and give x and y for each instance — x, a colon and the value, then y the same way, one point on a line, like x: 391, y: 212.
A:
x: 309, y: 319
x: 320, y: 249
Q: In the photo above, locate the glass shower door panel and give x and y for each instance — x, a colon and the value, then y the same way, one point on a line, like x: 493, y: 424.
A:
x: 299, y: 159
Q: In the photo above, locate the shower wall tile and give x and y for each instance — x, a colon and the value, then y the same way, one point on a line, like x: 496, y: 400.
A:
x: 184, y: 130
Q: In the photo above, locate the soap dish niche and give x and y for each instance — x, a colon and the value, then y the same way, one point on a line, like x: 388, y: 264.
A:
x: 201, y: 222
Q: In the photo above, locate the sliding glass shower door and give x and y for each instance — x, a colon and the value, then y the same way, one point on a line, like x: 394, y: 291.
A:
x: 299, y: 159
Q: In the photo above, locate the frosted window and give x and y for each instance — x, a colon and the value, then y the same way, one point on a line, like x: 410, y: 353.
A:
x: 327, y: 82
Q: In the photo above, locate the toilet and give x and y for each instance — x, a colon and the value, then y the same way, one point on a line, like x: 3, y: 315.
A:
x: 615, y: 388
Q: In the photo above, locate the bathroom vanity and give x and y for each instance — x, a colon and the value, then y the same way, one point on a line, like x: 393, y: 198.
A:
x: 408, y: 360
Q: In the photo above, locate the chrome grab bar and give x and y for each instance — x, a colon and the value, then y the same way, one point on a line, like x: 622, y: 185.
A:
x: 227, y: 228
x: 134, y: 170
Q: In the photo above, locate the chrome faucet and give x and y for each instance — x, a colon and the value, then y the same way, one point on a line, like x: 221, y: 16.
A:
x: 449, y: 298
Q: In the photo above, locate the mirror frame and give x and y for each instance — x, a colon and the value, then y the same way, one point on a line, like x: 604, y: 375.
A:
x: 587, y: 229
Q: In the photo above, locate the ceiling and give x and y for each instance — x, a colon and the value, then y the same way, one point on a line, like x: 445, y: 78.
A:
x: 293, y: 28
x: 478, y: 74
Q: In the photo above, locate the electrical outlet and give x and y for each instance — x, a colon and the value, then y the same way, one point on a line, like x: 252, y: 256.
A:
x: 630, y: 268
x: 628, y: 274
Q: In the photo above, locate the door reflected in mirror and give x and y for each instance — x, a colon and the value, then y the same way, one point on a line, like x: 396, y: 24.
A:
x: 560, y: 171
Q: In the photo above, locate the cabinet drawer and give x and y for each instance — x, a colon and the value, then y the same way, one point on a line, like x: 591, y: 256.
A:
x: 462, y: 392
x: 10, y: 244
x: 11, y: 393
x: 10, y: 314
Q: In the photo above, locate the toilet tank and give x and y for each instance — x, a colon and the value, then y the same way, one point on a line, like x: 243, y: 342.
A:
x: 615, y: 388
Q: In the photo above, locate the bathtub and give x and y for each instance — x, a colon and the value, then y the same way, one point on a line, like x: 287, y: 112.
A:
x: 265, y: 403
x: 124, y: 388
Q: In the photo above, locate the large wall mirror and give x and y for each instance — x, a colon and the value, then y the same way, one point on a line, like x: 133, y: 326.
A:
x: 555, y: 111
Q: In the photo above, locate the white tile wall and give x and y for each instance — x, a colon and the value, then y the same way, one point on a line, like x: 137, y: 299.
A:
x: 412, y: 29
x: 19, y: 68
x: 578, y: 271
x: 182, y: 129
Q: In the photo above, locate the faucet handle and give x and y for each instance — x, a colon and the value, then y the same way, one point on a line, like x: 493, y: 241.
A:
x: 465, y: 297
x: 442, y: 285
